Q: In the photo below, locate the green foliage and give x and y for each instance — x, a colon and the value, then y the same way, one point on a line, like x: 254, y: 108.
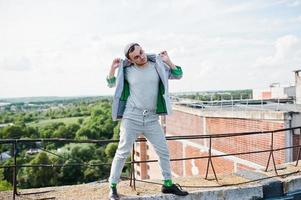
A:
x: 85, y: 132
x: 100, y: 123
x: 39, y: 176
x: 8, y: 172
x: 4, y: 185
x: 1, y: 174
x: 71, y: 174
x: 32, y: 132
x: 80, y: 120
x: 116, y: 131
x: 95, y: 172
x: 83, y: 152
x: 64, y: 131
x: 95, y: 123
x: 100, y: 153
x: 13, y: 132
x: 111, y: 149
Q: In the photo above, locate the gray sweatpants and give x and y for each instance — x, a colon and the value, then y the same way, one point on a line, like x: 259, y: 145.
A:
x: 133, y: 124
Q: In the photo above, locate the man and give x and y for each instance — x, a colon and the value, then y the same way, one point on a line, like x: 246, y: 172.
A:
x: 141, y: 95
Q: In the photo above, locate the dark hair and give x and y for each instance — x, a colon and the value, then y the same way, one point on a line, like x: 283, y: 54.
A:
x: 131, y: 49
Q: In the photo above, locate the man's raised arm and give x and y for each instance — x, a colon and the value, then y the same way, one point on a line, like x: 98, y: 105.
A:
x: 111, y: 79
x: 175, y: 72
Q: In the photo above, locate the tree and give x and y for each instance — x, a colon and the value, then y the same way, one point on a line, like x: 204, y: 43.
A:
x: 4, y: 185
x: 80, y: 120
x: 98, y: 125
x: 71, y: 131
x: 96, y: 171
x: 85, y: 132
x: 13, y: 132
x: 60, y: 132
x: 116, y: 132
x: 111, y: 149
x: 40, y: 176
x: 8, y: 172
x: 82, y: 152
x: 71, y: 174
x: 32, y: 132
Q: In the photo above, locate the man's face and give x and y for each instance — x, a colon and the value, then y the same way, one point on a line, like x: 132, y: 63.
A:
x: 138, y: 56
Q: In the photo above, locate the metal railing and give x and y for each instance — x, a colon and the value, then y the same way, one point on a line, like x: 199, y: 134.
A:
x: 236, y: 104
x: 271, y: 149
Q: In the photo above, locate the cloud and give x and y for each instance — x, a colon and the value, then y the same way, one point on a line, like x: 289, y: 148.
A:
x: 287, y: 51
x: 294, y: 3
x: 66, y: 46
x: 12, y: 64
x: 277, y: 66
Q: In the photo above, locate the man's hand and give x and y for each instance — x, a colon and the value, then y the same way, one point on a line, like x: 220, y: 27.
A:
x: 115, y: 63
x: 114, y: 66
x: 166, y: 59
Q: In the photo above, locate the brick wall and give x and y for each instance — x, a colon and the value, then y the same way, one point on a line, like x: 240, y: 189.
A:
x: 181, y: 123
x: 199, y: 166
x: 176, y: 151
x: 249, y: 142
x: 141, y: 154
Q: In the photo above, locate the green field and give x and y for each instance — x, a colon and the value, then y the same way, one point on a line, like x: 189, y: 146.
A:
x: 68, y: 120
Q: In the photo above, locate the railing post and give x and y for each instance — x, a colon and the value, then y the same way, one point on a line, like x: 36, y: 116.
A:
x: 299, y: 149
x: 232, y: 104
x: 15, y: 170
x: 210, y: 161
x: 272, y: 155
x: 133, y: 178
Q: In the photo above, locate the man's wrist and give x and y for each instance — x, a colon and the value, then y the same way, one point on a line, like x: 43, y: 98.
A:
x: 112, y: 73
x: 110, y: 76
x: 171, y: 65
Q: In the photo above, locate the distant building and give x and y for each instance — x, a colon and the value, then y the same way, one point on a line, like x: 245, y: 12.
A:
x: 298, y: 86
x: 33, y: 151
x: 276, y: 91
x: 4, y: 125
x: 262, y: 94
x: 3, y: 106
x: 290, y: 92
x: 4, y: 156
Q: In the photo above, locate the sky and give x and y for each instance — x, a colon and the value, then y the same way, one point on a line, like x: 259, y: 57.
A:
x: 66, y: 47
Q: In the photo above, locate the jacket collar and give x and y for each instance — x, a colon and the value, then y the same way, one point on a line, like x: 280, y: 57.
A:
x: 150, y: 57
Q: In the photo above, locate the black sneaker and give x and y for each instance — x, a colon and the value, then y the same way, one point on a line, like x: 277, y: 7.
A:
x: 113, y: 195
x: 174, y: 189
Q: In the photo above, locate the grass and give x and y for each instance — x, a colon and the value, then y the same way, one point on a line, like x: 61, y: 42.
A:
x: 4, y: 185
x: 67, y: 120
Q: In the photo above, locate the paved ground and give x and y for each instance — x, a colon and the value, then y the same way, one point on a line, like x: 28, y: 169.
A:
x: 99, y: 191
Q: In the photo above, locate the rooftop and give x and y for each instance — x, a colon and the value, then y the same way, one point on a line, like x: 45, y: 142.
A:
x: 242, y: 185
x: 282, y: 105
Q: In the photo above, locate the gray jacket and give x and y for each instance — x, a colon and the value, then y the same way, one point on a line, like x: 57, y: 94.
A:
x: 164, y: 72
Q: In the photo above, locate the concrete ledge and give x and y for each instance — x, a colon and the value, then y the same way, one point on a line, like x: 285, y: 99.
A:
x: 292, y: 184
x: 249, y: 192
x: 272, y: 187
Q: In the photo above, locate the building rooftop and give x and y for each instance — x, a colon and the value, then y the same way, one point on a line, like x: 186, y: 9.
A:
x: 232, y: 186
x: 242, y: 105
